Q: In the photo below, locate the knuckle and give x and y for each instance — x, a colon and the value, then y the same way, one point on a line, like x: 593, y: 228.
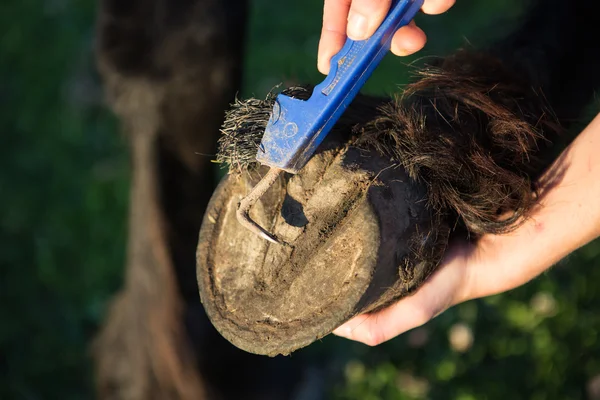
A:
x: 374, y: 337
x: 422, y: 315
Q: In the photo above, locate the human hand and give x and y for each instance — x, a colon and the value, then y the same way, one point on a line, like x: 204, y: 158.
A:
x: 468, y: 271
x: 359, y: 19
x: 447, y: 287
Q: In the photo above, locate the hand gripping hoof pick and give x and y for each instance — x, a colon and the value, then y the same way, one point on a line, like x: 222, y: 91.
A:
x: 297, y: 127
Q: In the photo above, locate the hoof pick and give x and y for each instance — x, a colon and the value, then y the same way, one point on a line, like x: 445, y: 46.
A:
x: 297, y: 127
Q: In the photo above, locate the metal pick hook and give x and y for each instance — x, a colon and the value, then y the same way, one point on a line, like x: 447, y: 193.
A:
x: 243, y: 211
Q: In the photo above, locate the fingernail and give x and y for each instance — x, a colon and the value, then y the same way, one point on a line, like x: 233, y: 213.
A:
x: 343, y: 331
x: 357, y: 26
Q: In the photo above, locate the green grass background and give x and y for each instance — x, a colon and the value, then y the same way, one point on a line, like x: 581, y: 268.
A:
x: 63, y: 197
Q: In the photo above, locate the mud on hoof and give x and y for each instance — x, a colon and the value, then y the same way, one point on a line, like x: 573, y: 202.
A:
x: 351, y: 220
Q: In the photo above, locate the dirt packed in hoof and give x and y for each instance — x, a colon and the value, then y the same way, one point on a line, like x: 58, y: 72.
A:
x: 349, y: 219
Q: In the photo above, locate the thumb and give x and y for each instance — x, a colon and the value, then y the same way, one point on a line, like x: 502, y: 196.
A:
x: 434, y: 297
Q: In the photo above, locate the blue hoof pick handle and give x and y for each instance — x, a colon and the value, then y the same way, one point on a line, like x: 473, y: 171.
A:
x: 297, y: 127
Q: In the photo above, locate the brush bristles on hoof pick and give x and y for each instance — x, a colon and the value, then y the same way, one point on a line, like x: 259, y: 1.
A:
x: 243, y: 211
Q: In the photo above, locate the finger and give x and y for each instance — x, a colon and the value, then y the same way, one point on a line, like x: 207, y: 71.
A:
x: 365, y: 16
x: 333, y: 33
x: 434, y: 297
x: 376, y: 328
x: 408, y: 40
x: 434, y: 7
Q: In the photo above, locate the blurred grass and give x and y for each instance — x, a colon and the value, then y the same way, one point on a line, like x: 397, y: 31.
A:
x: 64, y: 185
